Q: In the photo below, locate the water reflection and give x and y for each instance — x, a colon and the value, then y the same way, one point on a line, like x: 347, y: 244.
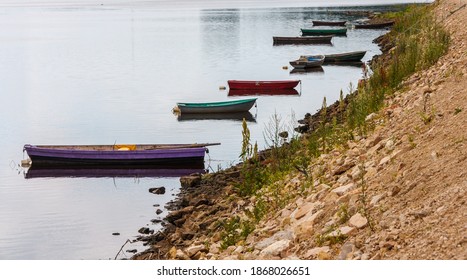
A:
x: 252, y: 92
x: 357, y: 64
x: 220, y: 33
x: 103, y: 171
x: 301, y: 71
x: 238, y: 116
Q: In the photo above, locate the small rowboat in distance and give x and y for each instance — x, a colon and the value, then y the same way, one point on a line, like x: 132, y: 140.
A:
x: 319, y: 32
x: 232, y: 106
x: 308, y: 61
x: 264, y: 85
x: 328, y: 23
x: 123, y: 155
x: 379, y: 25
x: 345, y: 57
x: 302, y: 40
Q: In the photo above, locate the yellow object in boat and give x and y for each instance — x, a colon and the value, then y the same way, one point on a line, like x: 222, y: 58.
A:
x: 125, y: 147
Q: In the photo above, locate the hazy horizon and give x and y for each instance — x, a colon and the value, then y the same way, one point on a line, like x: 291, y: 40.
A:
x: 201, y: 3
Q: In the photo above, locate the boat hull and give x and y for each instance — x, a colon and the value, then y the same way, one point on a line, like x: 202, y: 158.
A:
x: 374, y: 25
x: 319, y: 32
x: 328, y: 23
x: 345, y: 57
x: 302, y: 40
x: 308, y: 62
x: 263, y: 85
x: 104, y: 155
x: 217, y: 107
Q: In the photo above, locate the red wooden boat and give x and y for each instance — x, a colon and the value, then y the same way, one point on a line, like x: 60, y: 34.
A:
x: 235, y: 84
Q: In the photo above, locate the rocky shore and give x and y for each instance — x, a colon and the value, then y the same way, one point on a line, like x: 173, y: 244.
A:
x: 409, y: 176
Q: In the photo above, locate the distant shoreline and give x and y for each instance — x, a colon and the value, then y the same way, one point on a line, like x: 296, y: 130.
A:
x: 199, y: 4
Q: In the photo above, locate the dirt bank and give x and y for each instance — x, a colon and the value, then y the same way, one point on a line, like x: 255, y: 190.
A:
x: 411, y: 172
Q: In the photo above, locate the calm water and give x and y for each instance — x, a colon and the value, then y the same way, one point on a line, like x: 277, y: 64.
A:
x: 106, y: 74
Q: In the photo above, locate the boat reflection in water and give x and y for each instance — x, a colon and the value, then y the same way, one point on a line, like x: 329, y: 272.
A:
x: 250, y: 92
x: 345, y: 63
x: 102, y: 171
x: 238, y: 116
x: 299, y: 71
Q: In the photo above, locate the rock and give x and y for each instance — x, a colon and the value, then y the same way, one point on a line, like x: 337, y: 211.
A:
x: 159, y: 211
x: 434, y: 155
x: 176, y: 215
x: 239, y: 250
x: 280, y: 235
x: 132, y: 251
x: 188, y: 235
x: 276, y: 249
x: 343, y: 168
x: 358, y: 221
x: 313, y: 253
x: 190, y: 181
x: 356, y: 173
x: 370, y: 117
x: 214, y: 248
x: 389, y: 146
x: 372, y: 142
x: 305, y: 209
x: 345, y: 230
x: 374, y: 149
x: 192, y: 250
x: 202, y: 202
x: 343, y: 189
x: 375, y: 199
x: 346, y: 251
x: 145, y: 230
x: 158, y: 190
x: 384, y: 160
x: 179, y: 255
x: 115, y: 233
x: 156, y: 221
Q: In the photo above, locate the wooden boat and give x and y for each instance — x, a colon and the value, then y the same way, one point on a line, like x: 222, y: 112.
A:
x: 374, y: 25
x: 328, y: 23
x: 237, y: 116
x: 232, y: 106
x: 288, y: 84
x: 308, y: 61
x: 302, y: 40
x: 319, y: 32
x: 112, y: 171
x: 125, y: 154
x: 272, y: 92
x: 345, y: 57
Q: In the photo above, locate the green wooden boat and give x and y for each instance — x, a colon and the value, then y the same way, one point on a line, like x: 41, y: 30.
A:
x: 233, y: 106
x: 344, y: 57
x: 318, y: 32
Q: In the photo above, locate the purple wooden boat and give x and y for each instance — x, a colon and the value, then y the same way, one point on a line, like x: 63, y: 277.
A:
x: 153, y: 154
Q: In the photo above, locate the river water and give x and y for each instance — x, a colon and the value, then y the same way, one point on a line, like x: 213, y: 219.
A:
x: 103, y: 74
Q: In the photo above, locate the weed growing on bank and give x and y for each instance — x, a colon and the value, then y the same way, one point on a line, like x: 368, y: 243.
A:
x: 418, y: 42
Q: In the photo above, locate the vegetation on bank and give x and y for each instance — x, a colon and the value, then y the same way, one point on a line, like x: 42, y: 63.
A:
x: 416, y: 42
